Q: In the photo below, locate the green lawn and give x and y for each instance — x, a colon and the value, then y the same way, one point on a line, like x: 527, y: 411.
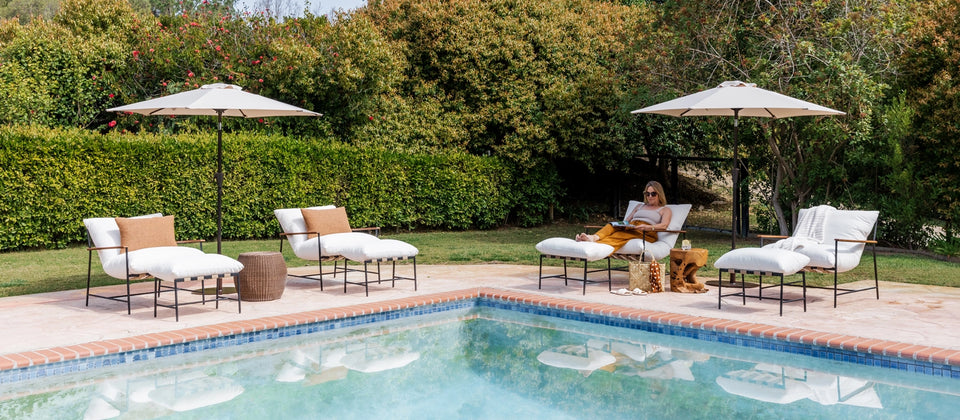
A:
x: 45, y: 271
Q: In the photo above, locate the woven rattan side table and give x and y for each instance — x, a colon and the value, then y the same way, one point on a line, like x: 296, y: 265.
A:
x: 263, y: 277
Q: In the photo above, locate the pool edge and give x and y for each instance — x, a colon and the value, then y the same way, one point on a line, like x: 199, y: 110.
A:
x: 876, y: 347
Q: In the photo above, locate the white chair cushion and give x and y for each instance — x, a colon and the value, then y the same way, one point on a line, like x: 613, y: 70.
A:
x: 291, y: 221
x: 147, y: 260
x: 566, y: 247
x: 194, y: 266
x: 379, y: 250
x: 332, y: 245
x: 849, y: 224
x: 665, y: 241
x: 839, y: 224
x: 763, y: 259
x: 105, y: 233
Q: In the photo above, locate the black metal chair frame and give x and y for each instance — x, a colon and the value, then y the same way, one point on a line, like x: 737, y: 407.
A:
x: 367, y: 272
x: 566, y: 278
x: 840, y: 291
x: 159, y: 287
x: 743, y: 288
x: 318, y: 276
x: 124, y: 297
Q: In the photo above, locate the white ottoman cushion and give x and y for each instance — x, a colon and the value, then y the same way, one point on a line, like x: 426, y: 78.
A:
x: 380, y: 249
x: 195, y: 266
x: 763, y: 259
x: 566, y: 247
x: 146, y: 260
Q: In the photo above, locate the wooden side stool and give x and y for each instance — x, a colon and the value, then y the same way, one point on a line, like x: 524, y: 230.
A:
x: 684, y: 264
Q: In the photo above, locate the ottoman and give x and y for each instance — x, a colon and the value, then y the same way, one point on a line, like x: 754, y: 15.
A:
x: 567, y: 249
x: 762, y: 262
x: 198, y: 267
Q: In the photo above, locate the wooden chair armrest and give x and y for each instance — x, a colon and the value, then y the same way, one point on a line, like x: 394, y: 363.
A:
x: 192, y: 241
x: 861, y: 241
x: 772, y: 236
x: 101, y: 248
x: 592, y: 226
x: 670, y: 231
x: 373, y: 230
x: 297, y: 233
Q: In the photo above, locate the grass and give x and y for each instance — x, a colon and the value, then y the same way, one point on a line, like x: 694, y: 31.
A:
x: 32, y: 272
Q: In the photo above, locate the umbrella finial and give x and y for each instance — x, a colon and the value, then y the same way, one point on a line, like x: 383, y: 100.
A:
x: 737, y: 83
x: 221, y: 86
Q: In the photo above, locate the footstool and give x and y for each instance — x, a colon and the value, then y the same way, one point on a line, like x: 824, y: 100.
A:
x: 200, y: 267
x: 567, y: 249
x: 264, y: 275
x: 762, y: 262
x: 383, y: 250
x: 684, y: 264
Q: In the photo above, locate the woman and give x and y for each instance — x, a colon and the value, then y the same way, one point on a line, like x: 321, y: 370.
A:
x: 645, y: 219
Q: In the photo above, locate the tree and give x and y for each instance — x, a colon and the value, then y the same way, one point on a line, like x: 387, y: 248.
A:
x: 932, y: 88
x: 838, y: 54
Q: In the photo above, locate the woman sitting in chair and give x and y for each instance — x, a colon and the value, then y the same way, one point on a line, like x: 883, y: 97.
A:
x: 644, y: 220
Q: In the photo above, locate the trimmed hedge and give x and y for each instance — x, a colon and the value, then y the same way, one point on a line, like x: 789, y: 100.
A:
x: 51, y: 179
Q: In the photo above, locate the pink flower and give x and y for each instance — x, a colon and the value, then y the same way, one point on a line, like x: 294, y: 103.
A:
x: 110, y: 95
x: 190, y: 74
x: 260, y: 80
x: 112, y: 124
x: 370, y: 117
x: 260, y: 121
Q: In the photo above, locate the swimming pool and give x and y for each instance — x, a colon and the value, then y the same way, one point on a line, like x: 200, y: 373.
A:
x: 482, y: 358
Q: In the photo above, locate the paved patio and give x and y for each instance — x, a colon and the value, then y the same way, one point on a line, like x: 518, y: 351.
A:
x: 916, y: 315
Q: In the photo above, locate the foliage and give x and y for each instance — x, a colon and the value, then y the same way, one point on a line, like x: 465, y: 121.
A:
x: 546, y: 86
x: 49, y: 76
x: 525, y: 80
x: 932, y: 88
x: 52, y: 179
x: 837, y: 54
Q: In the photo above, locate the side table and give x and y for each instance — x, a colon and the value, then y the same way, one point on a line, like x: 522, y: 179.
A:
x: 263, y: 277
x: 684, y: 264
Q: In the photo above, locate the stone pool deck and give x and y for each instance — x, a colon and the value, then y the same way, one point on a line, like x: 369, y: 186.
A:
x: 917, y: 322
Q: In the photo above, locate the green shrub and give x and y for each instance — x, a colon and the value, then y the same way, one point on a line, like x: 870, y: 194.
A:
x: 52, y: 179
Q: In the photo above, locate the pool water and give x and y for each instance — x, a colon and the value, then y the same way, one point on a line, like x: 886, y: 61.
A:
x: 481, y: 363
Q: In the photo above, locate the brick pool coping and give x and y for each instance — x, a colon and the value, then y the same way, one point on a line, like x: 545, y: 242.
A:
x: 871, y: 346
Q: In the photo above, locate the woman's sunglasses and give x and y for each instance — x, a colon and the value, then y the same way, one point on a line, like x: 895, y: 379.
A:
x: 650, y: 193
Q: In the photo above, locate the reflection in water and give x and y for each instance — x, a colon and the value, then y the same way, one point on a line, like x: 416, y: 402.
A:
x: 484, y: 363
x: 156, y: 395
x: 784, y: 385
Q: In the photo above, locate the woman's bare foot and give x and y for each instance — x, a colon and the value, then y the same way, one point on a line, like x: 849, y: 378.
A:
x: 583, y: 237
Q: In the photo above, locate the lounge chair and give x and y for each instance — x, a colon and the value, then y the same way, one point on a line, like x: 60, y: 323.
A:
x: 324, y: 234
x: 834, y: 241
x: 568, y: 249
x: 144, y: 247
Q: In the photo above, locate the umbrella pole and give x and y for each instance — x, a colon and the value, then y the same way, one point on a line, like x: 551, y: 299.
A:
x: 219, y: 177
x: 735, y: 176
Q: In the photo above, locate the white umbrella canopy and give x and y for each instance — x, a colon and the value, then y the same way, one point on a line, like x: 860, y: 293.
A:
x: 217, y: 99
x: 737, y: 99
x: 221, y: 100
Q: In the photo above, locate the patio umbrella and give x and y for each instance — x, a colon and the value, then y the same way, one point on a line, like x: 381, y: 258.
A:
x: 218, y: 99
x: 737, y: 99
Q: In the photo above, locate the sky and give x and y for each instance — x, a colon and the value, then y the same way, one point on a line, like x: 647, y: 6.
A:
x: 318, y: 7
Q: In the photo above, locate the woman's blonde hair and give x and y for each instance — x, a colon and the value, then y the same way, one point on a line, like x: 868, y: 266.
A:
x: 659, y: 189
